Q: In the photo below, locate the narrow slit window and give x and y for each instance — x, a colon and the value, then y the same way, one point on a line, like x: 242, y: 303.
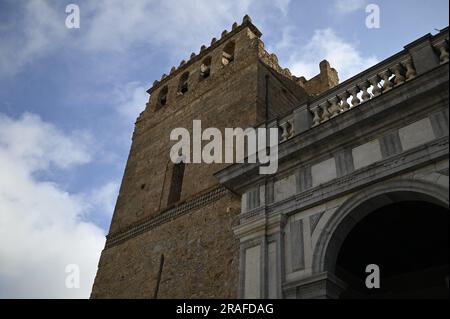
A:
x: 176, y: 183
x: 228, y: 54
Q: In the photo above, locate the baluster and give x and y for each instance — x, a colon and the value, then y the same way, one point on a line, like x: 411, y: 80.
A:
x: 291, y: 127
x: 443, y: 51
x: 354, y: 92
x: 316, y: 119
x: 365, y: 95
x: 325, y: 113
x: 410, y: 71
x: 286, y: 127
x: 376, y: 90
x: 397, y: 70
x: 334, y: 108
x: 387, y: 85
x: 344, y: 96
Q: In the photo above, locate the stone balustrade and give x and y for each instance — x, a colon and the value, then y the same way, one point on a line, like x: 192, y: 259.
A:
x: 286, y: 126
x: 441, y: 47
x: 369, y: 84
x: 363, y: 88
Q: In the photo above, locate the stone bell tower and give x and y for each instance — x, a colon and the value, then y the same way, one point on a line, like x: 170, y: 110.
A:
x: 171, y: 233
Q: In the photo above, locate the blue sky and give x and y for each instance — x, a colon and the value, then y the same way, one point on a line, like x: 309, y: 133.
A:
x: 69, y: 98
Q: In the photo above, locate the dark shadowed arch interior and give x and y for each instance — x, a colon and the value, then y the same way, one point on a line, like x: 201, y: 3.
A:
x: 408, y: 240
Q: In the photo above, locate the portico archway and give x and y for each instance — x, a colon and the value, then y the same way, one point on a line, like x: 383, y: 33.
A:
x: 401, y: 226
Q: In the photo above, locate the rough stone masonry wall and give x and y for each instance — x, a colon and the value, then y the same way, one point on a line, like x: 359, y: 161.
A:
x: 325, y: 80
x: 283, y: 94
x: 199, y: 247
x: 201, y: 258
x: 226, y: 99
x: 233, y: 96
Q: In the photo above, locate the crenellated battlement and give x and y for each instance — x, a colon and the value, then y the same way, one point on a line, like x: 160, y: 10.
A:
x: 204, y: 51
x: 237, y: 48
x: 271, y: 60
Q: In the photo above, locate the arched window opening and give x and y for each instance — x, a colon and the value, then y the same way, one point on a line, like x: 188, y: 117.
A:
x: 183, y: 86
x: 176, y: 183
x: 205, y: 68
x: 228, y: 54
x: 162, y: 97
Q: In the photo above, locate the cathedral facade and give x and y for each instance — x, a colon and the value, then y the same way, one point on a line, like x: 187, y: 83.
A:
x: 362, y: 180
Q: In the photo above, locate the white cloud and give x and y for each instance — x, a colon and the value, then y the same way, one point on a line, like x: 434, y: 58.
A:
x: 39, y: 144
x: 326, y: 44
x: 131, y: 99
x: 286, y: 42
x: 117, y: 25
x: 42, y: 226
x: 38, y: 31
x: 104, y: 199
x: 282, y: 5
x: 344, y: 7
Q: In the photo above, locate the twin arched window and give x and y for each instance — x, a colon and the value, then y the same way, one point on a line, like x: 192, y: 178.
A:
x: 205, y: 68
x: 162, y: 97
x: 183, y: 86
x: 228, y: 53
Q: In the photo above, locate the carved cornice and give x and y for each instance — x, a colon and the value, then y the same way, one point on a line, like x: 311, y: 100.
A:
x: 169, y: 215
x: 393, y: 166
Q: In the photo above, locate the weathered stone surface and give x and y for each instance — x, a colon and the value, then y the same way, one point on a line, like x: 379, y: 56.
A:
x: 200, y: 253
x: 366, y: 154
x: 284, y: 188
x: 324, y: 171
x: 272, y: 270
x: 253, y: 272
x: 416, y: 134
x: 325, y: 80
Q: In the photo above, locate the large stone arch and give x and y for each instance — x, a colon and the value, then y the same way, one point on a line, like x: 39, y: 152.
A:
x: 363, y: 203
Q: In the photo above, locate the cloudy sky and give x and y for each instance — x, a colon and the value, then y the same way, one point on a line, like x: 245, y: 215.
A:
x: 69, y: 98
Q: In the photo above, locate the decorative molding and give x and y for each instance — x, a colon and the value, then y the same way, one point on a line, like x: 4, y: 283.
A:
x: 297, y: 245
x: 395, y: 165
x: 164, y: 217
x: 444, y: 172
x: 314, y: 220
x: 322, y: 261
x: 314, y: 143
